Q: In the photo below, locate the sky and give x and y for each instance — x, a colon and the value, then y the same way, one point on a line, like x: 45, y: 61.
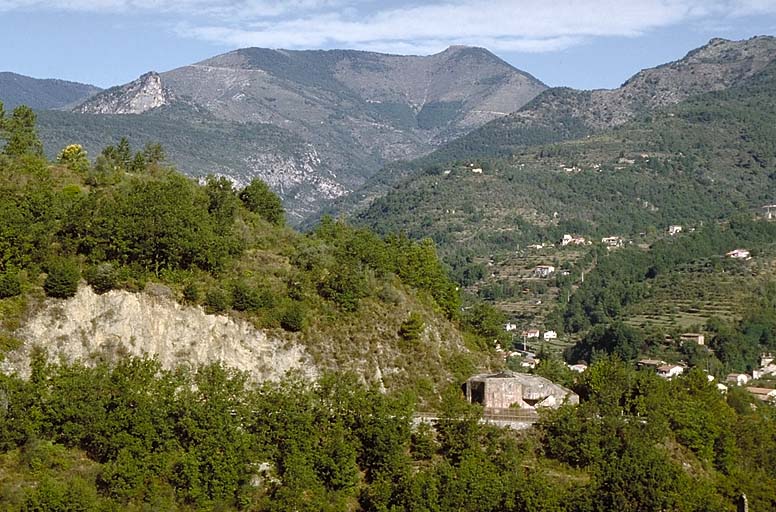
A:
x: 584, y: 44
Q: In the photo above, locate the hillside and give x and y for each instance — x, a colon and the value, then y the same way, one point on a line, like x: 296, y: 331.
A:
x: 704, y: 159
x: 346, y: 113
x: 560, y: 114
x: 38, y: 93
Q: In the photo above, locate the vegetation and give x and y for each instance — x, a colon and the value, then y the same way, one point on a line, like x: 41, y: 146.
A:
x: 136, y: 436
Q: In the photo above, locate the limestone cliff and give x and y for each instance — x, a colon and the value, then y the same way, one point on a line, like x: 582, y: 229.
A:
x: 92, y: 328
x: 141, y: 95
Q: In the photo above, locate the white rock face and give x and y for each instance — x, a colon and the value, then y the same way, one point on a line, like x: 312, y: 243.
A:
x: 141, y: 95
x: 91, y: 328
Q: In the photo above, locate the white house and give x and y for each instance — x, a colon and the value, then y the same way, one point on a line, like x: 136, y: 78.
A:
x: 550, y: 335
x: 693, y: 337
x: 613, y: 241
x: 579, y: 367
x: 509, y: 327
x: 674, y: 229
x: 572, y: 240
x: 544, y: 270
x: 739, y: 379
x: 739, y: 254
x: 669, y: 371
x: 531, y: 333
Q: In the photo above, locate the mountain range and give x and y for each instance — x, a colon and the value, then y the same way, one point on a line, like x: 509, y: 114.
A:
x: 312, y: 124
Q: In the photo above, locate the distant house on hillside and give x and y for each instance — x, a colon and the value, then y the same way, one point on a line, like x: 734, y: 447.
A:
x: 739, y: 254
x: 509, y: 327
x: 692, y: 337
x: 669, y: 371
x: 739, y: 379
x: 531, y: 333
x: 651, y: 364
x: 674, y: 229
x: 613, y: 241
x: 543, y: 270
x: 764, y: 394
x: 572, y: 240
x: 579, y: 367
x: 550, y: 335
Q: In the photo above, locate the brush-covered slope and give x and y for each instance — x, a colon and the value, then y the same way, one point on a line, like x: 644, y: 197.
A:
x: 352, y: 112
x: 39, y: 93
x: 195, y: 273
x: 701, y: 160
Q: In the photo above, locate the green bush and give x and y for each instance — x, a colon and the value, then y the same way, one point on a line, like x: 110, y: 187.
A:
x: 102, y: 277
x: 62, y: 278
x: 293, y: 318
x: 191, y: 293
x: 10, y: 286
x: 216, y: 300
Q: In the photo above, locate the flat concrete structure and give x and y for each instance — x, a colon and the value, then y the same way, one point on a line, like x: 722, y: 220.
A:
x: 507, y: 390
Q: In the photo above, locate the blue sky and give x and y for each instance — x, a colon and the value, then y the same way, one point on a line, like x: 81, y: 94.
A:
x: 579, y: 43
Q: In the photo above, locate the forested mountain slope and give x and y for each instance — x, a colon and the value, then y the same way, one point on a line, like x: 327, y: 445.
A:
x: 39, y: 93
x: 704, y: 159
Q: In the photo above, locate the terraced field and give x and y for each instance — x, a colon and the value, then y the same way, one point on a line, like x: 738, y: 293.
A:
x: 687, y: 298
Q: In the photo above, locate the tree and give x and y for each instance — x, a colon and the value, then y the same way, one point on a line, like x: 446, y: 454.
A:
x: 22, y: 137
x: 62, y: 278
x: 258, y: 198
x: 153, y: 153
x: 74, y: 158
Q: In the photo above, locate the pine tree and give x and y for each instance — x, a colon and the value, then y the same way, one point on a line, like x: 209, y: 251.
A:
x: 21, y: 134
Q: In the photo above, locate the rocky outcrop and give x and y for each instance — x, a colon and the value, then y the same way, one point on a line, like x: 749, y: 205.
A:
x: 92, y: 328
x: 141, y: 95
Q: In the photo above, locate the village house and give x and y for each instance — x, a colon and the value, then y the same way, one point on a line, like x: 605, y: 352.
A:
x: 572, y: 240
x: 531, y: 333
x: 550, y: 335
x: 579, y: 367
x: 739, y: 379
x: 613, y: 241
x: 693, y: 337
x: 544, y: 270
x: 509, y: 327
x: 529, y: 362
x: 739, y: 254
x: 669, y: 371
x: 674, y: 229
x: 507, y: 390
x: 651, y: 364
x: 764, y: 394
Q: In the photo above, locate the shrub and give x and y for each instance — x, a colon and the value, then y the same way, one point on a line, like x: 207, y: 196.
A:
x: 102, y: 278
x: 62, y: 278
x: 293, y: 318
x: 216, y: 300
x: 191, y: 293
x: 10, y: 286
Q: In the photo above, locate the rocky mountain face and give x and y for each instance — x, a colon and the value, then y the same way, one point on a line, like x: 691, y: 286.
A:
x: 38, y: 93
x: 563, y: 113
x: 144, y: 94
x: 344, y: 114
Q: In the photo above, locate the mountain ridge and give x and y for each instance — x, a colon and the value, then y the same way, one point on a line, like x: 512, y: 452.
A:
x: 41, y: 93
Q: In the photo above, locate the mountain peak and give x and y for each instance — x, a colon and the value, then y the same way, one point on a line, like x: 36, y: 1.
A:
x: 141, y: 95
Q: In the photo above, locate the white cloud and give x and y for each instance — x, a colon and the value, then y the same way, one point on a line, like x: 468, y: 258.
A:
x: 505, y: 25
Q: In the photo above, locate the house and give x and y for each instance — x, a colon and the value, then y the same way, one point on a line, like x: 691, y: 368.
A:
x: 722, y: 388
x: 531, y: 333
x: 529, y: 362
x: 764, y: 394
x: 477, y: 170
x: 674, y: 229
x: 764, y: 371
x: 693, y: 337
x: 579, y: 367
x: 544, y: 270
x: 509, y: 327
x: 613, y: 241
x: 739, y: 254
x: 572, y: 240
x: 669, y: 371
x: 652, y: 364
x: 766, y: 358
x: 507, y: 390
x: 550, y: 335
x: 739, y: 379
